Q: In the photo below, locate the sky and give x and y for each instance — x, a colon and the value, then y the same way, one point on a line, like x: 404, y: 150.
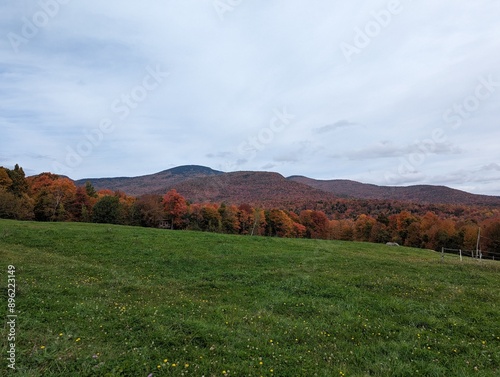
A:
x: 394, y: 92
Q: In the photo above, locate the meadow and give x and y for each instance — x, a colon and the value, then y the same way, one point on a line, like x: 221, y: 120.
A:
x: 104, y: 300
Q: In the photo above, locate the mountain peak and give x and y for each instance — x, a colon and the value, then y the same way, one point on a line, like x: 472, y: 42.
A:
x: 193, y: 169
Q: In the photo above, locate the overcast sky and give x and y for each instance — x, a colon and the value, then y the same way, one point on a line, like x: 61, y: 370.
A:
x: 385, y: 92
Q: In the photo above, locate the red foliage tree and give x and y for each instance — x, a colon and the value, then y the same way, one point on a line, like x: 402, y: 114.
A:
x: 316, y: 223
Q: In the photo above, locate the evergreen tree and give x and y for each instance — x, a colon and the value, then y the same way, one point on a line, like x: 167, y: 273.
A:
x: 107, y: 210
x: 90, y: 190
x: 19, y: 185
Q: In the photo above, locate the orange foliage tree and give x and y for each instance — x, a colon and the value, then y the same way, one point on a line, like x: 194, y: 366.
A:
x: 53, y: 195
x: 176, y: 209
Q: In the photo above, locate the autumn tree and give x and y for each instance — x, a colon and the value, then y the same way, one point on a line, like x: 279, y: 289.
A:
x: 52, y: 195
x: 316, y: 223
x: 298, y: 230
x: 413, y: 235
x: 194, y: 216
x: 105, y: 192
x: 229, y: 219
x: 14, y: 207
x: 491, y: 236
x: 210, y: 218
x: 259, y: 222
x: 176, y: 209
x: 447, y: 235
x: 279, y: 223
x: 14, y: 204
x: 5, y: 181
x: 398, y: 224
x: 8, y: 205
x: 148, y: 211
x: 341, y: 230
x: 347, y: 230
x: 245, y: 218
x: 82, y: 205
x: 363, y: 227
x: 379, y: 233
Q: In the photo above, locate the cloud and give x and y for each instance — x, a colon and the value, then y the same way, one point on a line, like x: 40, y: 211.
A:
x: 389, y: 149
x: 287, y: 158
x: 268, y: 166
x: 335, y: 126
x: 491, y: 167
x: 224, y: 155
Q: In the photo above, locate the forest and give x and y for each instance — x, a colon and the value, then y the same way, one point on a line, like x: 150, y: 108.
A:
x: 49, y: 197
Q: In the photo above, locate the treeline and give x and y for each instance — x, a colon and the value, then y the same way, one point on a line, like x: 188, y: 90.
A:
x: 48, y: 197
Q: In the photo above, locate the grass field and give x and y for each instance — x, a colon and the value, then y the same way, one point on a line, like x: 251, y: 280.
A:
x: 102, y: 300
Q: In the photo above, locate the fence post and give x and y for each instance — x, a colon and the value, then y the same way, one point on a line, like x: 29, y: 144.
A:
x: 442, y: 254
x: 460, y: 255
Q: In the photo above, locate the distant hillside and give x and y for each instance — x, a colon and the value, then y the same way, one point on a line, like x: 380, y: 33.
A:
x: 203, y: 184
x: 417, y: 194
x: 250, y: 187
x: 154, y: 183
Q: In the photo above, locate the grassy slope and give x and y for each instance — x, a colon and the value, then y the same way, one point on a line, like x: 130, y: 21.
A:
x: 98, y: 300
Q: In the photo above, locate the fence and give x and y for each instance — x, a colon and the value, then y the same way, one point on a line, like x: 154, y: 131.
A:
x: 476, y: 254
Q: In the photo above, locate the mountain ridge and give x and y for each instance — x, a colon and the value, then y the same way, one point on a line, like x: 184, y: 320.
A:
x: 204, y: 184
x: 150, y: 183
x: 429, y: 194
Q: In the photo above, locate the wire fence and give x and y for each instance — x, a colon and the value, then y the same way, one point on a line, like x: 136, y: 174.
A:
x: 475, y: 254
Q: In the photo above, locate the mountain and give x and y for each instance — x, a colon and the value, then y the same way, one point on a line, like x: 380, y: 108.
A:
x: 203, y: 184
x: 154, y: 183
x: 418, y: 194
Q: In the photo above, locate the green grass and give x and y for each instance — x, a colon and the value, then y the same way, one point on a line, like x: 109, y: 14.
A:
x: 102, y: 300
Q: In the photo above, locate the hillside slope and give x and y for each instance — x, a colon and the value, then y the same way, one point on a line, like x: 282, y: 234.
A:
x: 416, y: 194
x: 250, y: 187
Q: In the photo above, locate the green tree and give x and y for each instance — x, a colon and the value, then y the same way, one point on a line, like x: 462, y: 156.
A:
x: 19, y: 186
x: 89, y: 188
x: 107, y: 210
